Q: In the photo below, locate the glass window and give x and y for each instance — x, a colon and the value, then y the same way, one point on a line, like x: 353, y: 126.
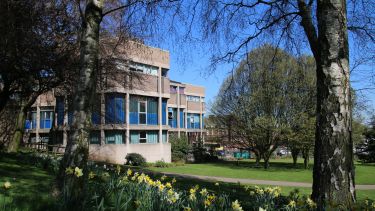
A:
x: 114, y: 137
x: 142, y: 105
x: 142, y: 137
x: 94, y: 137
x: 173, y: 89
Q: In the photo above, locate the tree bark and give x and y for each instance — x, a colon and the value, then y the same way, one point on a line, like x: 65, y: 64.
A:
x: 76, y: 153
x: 14, y: 143
x: 333, y: 176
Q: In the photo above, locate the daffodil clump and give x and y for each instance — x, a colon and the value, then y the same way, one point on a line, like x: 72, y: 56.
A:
x: 76, y: 171
x: 130, y: 190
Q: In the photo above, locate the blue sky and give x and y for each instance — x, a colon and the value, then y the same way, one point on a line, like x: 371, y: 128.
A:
x: 194, y: 70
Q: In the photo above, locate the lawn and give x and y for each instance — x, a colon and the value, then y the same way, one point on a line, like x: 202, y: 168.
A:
x: 280, y: 170
x: 30, y: 185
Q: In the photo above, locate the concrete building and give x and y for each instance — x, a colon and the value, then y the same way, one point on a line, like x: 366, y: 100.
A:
x: 136, y: 109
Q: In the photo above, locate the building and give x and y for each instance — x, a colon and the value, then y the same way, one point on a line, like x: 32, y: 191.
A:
x: 136, y: 110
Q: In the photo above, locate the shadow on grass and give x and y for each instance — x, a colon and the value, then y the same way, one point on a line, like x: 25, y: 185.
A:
x: 274, y: 166
x: 31, y: 186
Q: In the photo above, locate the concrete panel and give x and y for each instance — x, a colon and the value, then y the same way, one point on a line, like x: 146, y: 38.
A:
x: 116, y: 153
x: 194, y: 106
x: 173, y: 99
x: 194, y: 90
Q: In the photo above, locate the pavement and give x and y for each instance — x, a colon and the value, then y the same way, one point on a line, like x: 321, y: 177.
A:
x: 255, y: 181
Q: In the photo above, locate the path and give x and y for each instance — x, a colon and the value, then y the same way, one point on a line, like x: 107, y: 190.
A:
x: 257, y: 182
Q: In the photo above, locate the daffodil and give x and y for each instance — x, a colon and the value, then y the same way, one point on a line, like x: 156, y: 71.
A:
x: 217, y: 184
x: 129, y: 172
x: 311, y: 203
x: 187, y: 209
x: 261, y: 209
x: 203, y: 192
x: 173, y: 180
x: 207, y: 203
x: 118, y: 169
x: 236, y: 206
x: 7, y: 185
x: 292, y: 203
x: 168, y: 185
x: 91, y: 175
x: 78, y: 172
x: 69, y: 170
x: 163, y: 178
x: 373, y: 205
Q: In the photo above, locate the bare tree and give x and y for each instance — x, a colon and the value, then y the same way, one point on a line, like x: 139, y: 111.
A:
x: 235, y: 25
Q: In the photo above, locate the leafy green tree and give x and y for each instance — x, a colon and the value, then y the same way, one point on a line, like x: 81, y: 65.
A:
x: 180, y: 148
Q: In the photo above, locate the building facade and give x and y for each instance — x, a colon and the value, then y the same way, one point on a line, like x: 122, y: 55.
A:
x: 136, y: 108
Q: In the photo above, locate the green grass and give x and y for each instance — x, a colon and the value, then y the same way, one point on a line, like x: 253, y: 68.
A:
x: 280, y: 170
x: 30, y: 185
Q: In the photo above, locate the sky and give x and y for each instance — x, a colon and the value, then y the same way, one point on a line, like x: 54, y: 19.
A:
x: 195, y: 71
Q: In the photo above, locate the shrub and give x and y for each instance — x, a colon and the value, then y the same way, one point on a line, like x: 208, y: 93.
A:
x: 135, y: 159
x: 163, y: 164
x: 180, y: 148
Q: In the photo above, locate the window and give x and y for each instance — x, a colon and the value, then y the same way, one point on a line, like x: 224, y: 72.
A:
x: 192, y: 98
x: 142, y: 137
x: 164, y: 72
x: 173, y: 89
x: 94, y: 137
x: 143, y: 68
x: 113, y: 137
x: 182, y: 90
x: 46, y: 119
x: 142, y: 107
x: 170, y: 113
x: 114, y: 109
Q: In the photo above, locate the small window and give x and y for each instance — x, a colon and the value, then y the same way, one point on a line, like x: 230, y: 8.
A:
x: 142, y: 106
x: 142, y: 137
x: 170, y: 114
x: 164, y: 72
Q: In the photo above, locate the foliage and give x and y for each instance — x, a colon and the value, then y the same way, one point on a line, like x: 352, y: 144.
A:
x: 366, y: 150
x: 179, y: 147
x: 135, y: 159
x: 261, y: 104
x: 162, y: 164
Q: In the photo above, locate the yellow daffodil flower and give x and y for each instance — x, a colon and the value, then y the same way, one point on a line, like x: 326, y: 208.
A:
x: 203, y: 192
x: 91, y: 175
x: 163, y: 178
x: 236, y: 206
x: 7, y: 185
x: 173, y: 180
x: 292, y: 203
x: 129, y: 172
x: 217, y: 184
x: 69, y: 170
x: 168, y: 185
x: 78, y: 172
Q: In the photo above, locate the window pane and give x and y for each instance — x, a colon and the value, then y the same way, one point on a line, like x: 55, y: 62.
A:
x: 142, y: 134
x: 142, y: 106
x: 142, y: 118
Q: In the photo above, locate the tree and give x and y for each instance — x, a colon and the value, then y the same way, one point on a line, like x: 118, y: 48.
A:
x: 265, y: 99
x: 37, y: 47
x: 96, y: 16
x: 366, y: 150
x: 238, y: 24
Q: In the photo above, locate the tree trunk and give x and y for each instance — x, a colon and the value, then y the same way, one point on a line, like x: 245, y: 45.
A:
x: 333, y: 177
x: 266, y: 159
x: 295, y: 152
x: 306, y: 158
x: 14, y: 143
x: 76, y: 153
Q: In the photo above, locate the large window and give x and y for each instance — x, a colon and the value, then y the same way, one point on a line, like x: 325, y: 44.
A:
x: 46, y: 118
x: 173, y: 89
x: 114, y: 109
x: 142, y: 107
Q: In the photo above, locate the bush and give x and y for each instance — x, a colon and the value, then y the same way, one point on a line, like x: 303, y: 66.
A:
x: 162, y: 164
x: 180, y: 148
x: 135, y: 159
